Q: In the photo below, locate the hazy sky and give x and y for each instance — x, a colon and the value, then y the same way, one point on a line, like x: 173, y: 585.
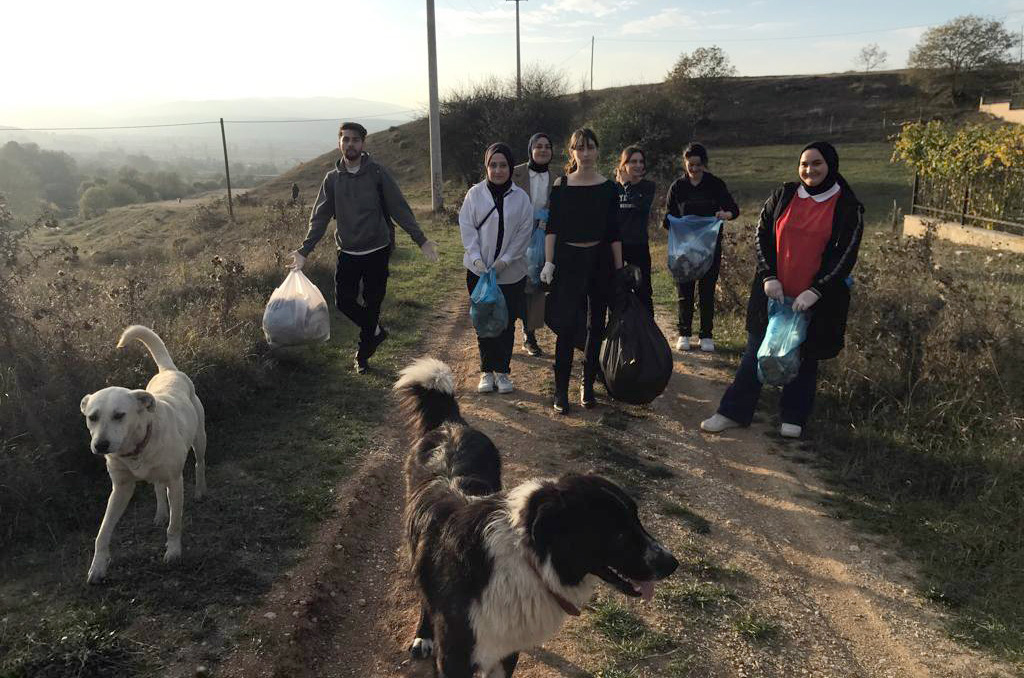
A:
x: 60, y: 54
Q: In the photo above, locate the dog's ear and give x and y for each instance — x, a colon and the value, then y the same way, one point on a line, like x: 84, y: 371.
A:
x: 85, y: 402
x: 146, y: 400
x: 547, y: 515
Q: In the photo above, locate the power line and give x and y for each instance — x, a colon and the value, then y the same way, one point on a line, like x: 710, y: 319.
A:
x: 765, y: 39
x: 202, y: 122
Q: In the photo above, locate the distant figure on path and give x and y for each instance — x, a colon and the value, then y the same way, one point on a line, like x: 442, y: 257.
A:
x: 807, y: 241
x: 362, y: 198
x: 295, y: 192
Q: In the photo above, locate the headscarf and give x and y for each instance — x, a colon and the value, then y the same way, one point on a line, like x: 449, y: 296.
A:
x: 831, y: 156
x: 535, y: 166
x: 498, y: 191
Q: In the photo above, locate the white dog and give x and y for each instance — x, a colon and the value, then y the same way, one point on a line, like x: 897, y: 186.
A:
x: 146, y: 435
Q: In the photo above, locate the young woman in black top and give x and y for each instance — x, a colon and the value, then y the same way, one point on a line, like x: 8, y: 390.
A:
x: 702, y: 194
x: 582, y: 252
x: 636, y: 195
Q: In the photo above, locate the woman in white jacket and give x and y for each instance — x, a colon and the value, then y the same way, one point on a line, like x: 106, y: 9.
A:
x: 496, y: 220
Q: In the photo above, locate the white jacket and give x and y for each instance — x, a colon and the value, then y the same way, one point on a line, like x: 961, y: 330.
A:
x: 479, y: 244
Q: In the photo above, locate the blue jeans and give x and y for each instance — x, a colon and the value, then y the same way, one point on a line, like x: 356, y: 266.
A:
x: 740, y: 399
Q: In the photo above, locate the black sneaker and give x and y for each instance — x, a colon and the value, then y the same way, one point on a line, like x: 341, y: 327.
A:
x: 376, y: 341
x: 360, y: 364
x: 561, y: 403
x: 532, y: 348
x: 587, y: 397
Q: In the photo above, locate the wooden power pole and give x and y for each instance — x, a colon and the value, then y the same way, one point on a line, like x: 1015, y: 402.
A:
x: 436, y: 188
x: 591, y: 63
x: 227, y: 170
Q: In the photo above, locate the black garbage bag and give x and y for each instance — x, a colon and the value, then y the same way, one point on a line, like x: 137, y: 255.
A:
x: 635, y: 356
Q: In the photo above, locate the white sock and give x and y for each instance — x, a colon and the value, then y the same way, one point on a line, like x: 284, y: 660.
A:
x: 377, y: 332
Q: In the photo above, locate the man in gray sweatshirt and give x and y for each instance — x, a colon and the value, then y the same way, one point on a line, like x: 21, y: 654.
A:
x: 363, y: 199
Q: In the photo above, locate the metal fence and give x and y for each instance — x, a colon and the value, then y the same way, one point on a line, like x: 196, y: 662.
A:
x: 994, y: 201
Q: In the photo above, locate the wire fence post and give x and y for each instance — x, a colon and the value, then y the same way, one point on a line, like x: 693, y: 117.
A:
x: 227, y: 170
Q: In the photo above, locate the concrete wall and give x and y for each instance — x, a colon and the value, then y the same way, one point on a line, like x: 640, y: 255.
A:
x: 914, y: 225
x: 1003, y: 110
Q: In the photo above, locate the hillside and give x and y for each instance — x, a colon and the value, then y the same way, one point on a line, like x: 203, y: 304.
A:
x: 756, y: 111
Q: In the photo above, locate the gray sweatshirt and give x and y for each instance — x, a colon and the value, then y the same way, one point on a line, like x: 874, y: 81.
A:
x: 355, y: 202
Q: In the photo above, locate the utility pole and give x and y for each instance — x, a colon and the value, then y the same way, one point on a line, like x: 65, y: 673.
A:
x: 227, y: 170
x: 591, y: 63
x: 436, y: 193
x: 519, y: 72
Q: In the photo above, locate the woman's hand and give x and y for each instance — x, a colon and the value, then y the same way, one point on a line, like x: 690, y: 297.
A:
x: 499, y: 266
x: 724, y: 215
x: 478, y: 267
x: 773, y: 288
x: 805, y: 300
x: 547, y: 274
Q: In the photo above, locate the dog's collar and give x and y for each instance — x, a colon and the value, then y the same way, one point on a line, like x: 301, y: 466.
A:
x: 566, y: 606
x: 138, y: 448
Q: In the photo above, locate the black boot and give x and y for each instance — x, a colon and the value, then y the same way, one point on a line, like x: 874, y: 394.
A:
x: 561, y: 403
x: 531, y: 345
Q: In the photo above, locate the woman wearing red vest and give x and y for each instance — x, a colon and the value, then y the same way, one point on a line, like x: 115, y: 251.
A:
x: 808, y: 236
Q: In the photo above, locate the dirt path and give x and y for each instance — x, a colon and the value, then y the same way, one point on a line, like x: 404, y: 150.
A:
x: 838, y: 603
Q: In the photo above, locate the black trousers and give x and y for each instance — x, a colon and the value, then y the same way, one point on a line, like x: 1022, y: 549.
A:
x: 706, y: 290
x: 372, y: 271
x: 496, y: 352
x: 639, y: 255
x: 583, y: 279
x: 740, y: 399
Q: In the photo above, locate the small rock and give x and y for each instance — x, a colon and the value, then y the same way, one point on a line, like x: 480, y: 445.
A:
x: 202, y: 671
x: 854, y: 547
x: 362, y: 602
x: 270, y: 615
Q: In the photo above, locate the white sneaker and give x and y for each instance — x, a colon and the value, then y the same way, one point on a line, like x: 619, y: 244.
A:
x: 486, y: 384
x: 717, y: 423
x: 790, y: 431
x: 683, y: 344
x: 505, y: 384
x: 707, y: 344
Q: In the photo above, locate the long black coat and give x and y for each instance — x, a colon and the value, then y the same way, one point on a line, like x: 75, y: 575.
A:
x: 827, y: 330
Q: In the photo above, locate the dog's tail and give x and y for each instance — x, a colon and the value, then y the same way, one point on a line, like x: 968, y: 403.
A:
x: 154, y: 343
x: 426, y: 394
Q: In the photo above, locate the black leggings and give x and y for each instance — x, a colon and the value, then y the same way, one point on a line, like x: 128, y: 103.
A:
x: 706, y: 291
x: 580, y: 291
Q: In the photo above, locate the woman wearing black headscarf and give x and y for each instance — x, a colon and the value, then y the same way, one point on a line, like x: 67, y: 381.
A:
x: 808, y: 237
x: 495, y: 222
x: 536, y: 177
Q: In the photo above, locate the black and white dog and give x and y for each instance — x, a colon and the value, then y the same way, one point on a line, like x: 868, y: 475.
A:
x: 499, y: 571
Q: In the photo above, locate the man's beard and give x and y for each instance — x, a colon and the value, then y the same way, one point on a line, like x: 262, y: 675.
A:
x: 352, y: 155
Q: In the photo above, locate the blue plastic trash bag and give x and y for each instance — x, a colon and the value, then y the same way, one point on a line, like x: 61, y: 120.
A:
x: 691, y: 246
x: 778, y: 358
x: 535, y: 256
x: 487, y: 307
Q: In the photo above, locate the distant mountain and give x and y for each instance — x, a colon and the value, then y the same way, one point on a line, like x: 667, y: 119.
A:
x: 251, y: 135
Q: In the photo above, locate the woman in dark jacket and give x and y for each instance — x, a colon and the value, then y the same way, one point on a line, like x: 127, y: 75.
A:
x: 808, y: 237
x: 636, y: 196
x: 702, y: 194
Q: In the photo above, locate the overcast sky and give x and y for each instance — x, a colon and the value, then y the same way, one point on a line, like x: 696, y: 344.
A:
x: 59, y: 54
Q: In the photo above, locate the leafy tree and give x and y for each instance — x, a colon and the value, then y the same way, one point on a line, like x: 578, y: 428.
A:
x: 98, y: 199
x: 31, y: 177
x: 966, y: 44
x: 698, y: 77
x: 475, y: 116
x: 651, y: 121
x: 871, y: 57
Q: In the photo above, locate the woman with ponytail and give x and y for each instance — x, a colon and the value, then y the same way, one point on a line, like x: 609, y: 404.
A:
x: 583, y: 250
x: 636, y: 195
x: 808, y: 237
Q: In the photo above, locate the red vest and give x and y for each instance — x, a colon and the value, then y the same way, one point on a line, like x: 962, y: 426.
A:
x: 801, y: 234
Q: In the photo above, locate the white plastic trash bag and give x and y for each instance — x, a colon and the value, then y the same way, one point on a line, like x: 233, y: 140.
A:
x: 297, y: 313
